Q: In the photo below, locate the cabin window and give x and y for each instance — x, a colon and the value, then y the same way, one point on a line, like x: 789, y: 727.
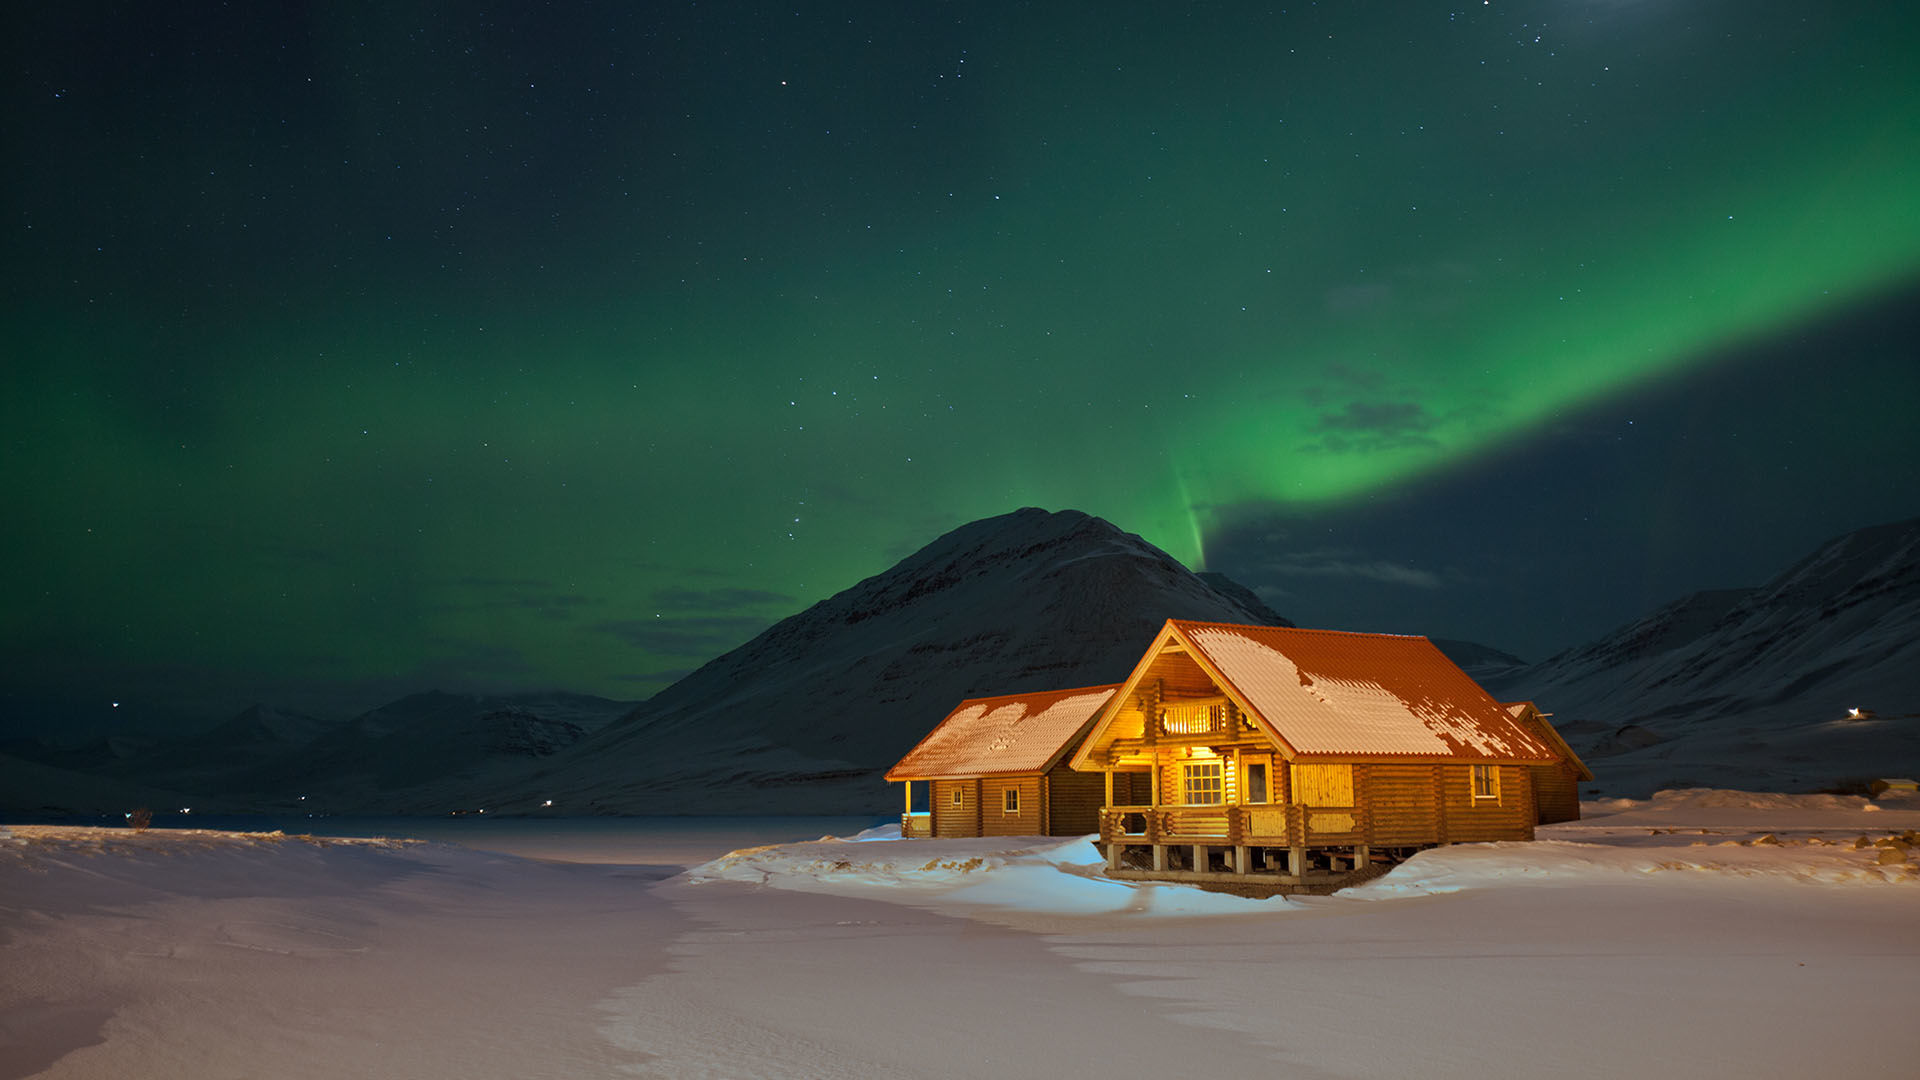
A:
x: 1256, y: 781
x: 1323, y: 785
x: 1010, y: 800
x: 1204, y: 783
x: 959, y: 797
x: 1486, y: 782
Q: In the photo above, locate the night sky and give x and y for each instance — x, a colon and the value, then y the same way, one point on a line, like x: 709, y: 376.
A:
x: 362, y: 348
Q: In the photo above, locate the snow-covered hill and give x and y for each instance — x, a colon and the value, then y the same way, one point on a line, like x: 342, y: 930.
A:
x: 804, y: 717
x: 455, y: 745
x: 1752, y: 688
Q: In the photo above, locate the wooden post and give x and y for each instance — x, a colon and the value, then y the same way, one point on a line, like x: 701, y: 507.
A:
x: 1297, y: 859
x: 1363, y: 800
x: 1362, y: 855
x: 1108, y: 773
x: 1113, y: 855
x: 1159, y: 857
x: 1200, y: 862
x: 1241, y: 860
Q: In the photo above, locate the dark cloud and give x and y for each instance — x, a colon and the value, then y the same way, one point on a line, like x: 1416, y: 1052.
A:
x: 1349, y: 563
x: 719, y: 599
x: 702, y: 637
x: 1374, y: 425
x: 1377, y: 417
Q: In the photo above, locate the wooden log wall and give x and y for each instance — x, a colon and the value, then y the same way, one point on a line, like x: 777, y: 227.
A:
x: 1172, y: 783
x: 1556, y: 793
x: 1074, y: 800
x: 995, y: 821
x: 1405, y: 807
x: 1131, y: 788
x: 1469, y: 820
x: 950, y: 820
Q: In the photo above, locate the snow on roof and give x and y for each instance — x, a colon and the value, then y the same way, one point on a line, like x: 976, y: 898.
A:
x: 1017, y: 733
x: 1336, y: 693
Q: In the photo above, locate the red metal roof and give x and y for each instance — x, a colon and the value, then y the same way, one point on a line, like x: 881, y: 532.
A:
x: 996, y: 736
x: 1332, y: 693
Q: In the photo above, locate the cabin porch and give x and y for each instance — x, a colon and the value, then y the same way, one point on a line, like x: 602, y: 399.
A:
x: 1255, y: 850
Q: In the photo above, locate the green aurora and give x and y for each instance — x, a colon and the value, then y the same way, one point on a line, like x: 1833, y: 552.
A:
x: 431, y: 352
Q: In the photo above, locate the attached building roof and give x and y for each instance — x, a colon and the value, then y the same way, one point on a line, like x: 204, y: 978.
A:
x: 1334, y: 694
x: 998, y: 736
x: 1529, y: 714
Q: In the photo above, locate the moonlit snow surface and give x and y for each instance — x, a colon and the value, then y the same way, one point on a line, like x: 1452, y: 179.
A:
x: 1694, y: 934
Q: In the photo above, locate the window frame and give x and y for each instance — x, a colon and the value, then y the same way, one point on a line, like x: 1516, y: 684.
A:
x: 1488, y: 773
x: 1214, y: 784
x: 1010, y: 800
x: 1247, y: 770
x: 958, y: 798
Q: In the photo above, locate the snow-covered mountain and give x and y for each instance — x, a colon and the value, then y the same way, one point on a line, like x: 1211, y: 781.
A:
x: 807, y: 715
x: 1751, y: 688
x: 431, y: 750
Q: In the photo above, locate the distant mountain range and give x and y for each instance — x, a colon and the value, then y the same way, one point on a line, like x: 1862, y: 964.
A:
x: 272, y: 760
x: 1752, y: 688
x: 1739, y: 688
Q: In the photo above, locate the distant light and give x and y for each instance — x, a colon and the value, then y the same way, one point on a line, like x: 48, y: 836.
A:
x: 186, y: 809
x: 116, y: 704
x: 303, y: 798
x: 549, y: 802
x: 483, y: 809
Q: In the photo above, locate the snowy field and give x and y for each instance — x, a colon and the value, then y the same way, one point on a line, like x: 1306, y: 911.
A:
x: 1694, y: 934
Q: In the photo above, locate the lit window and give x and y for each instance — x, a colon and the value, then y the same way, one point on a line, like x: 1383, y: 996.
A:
x: 1010, y: 800
x: 1204, y: 783
x: 1486, y: 782
x: 959, y: 796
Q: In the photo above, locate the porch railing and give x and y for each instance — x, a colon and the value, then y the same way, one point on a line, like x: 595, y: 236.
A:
x: 1271, y: 824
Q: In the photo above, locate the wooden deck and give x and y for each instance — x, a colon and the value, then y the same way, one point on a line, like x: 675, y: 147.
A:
x: 1260, y: 850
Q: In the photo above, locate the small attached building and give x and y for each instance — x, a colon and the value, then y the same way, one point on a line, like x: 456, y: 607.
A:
x: 1276, y: 759
x: 1556, y: 787
x: 997, y: 767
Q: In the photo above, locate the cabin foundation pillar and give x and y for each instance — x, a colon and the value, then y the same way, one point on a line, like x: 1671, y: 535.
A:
x: 1241, y: 862
x: 1200, y: 861
x: 1159, y: 857
x: 1362, y: 855
x: 1297, y: 860
x: 1113, y: 855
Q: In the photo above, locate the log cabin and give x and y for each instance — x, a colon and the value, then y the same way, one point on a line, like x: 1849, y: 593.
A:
x: 1266, y: 759
x: 1556, y: 787
x: 996, y: 766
